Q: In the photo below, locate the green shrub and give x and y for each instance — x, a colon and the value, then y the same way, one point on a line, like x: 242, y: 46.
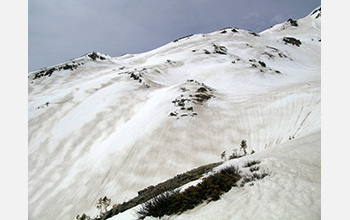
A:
x: 230, y: 170
x: 158, y: 206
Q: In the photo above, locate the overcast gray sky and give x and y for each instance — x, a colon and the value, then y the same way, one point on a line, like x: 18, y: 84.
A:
x: 59, y: 30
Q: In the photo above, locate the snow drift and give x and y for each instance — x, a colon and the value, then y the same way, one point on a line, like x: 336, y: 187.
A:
x: 111, y: 126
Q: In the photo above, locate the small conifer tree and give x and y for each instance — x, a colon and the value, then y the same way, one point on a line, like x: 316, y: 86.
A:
x: 103, y: 204
x: 244, y: 146
x: 223, y: 156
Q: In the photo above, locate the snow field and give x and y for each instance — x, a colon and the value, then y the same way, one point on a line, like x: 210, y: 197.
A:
x: 104, y: 133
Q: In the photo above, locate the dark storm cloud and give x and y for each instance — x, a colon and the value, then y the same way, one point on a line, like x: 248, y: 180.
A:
x: 61, y: 30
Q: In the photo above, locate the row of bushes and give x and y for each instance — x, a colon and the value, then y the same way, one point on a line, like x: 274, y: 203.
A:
x: 166, y: 199
x: 174, y: 202
x: 154, y: 191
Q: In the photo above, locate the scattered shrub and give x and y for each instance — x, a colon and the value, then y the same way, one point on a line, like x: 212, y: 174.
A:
x: 254, y: 176
x: 255, y: 168
x: 269, y: 55
x: 235, y: 154
x: 251, y: 163
x: 242, y: 152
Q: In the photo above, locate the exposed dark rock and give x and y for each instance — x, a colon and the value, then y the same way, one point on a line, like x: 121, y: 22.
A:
x: 254, y: 34
x: 202, y: 89
x: 93, y: 55
x: 262, y: 64
x: 220, y: 49
x: 293, y: 22
x: 319, y: 12
x: 292, y: 40
x: 202, y: 97
x: 173, y: 114
x: 183, y: 38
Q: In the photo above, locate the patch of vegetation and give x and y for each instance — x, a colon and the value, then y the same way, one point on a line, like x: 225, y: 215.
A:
x: 254, y: 176
x: 292, y: 40
x: 174, y: 202
x: 255, y: 172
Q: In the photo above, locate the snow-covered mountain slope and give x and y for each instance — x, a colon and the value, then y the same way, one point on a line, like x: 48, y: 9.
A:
x: 110, y: 126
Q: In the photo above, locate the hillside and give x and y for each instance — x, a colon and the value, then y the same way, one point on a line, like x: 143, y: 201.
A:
x: 111, y: 126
